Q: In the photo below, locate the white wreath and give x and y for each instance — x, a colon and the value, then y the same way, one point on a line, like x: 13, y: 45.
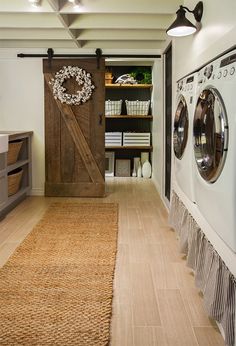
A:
x: 83, y: 79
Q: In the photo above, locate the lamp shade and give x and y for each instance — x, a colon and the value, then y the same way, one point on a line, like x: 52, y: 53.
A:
x: 181, y: 26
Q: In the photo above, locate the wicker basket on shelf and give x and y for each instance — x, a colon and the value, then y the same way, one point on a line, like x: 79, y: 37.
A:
x: 14, y: 180
x: 137, y: 107
x: 113, y: 107
x: 13, y: 151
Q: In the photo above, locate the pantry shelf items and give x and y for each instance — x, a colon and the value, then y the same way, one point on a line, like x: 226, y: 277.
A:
x: 128, y: 114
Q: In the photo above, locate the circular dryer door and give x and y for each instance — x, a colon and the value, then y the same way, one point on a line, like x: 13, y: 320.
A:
x: 180, y: 128
x: 210, y: 130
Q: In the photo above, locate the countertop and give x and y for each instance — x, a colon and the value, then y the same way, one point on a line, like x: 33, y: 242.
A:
x: 16, y: 134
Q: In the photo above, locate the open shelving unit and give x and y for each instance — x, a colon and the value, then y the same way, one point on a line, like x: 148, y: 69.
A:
x: 128, y: 123
x: 24, y: 161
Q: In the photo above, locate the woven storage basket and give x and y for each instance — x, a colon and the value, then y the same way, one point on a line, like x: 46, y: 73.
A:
x: 137, y: 107
x: 113, y: 107
x: 13, y: 151
x: 14, y: 179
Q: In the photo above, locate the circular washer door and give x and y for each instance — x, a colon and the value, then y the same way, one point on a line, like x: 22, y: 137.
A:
x: 181, y: 124
x: 210, y: 131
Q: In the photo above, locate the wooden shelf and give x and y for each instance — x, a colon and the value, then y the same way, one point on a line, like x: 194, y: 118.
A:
x: 18, y: 164
x: 128, y: 86
x: 130, y: 148
x: 17, y: 195
x: 148, y: 117
x: 7, y: 203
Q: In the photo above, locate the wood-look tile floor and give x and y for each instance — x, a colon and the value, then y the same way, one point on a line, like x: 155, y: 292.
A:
x: 155, y: 300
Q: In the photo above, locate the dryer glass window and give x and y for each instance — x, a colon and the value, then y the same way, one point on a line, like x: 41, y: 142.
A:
x: 180, y: 128
x: 210, y: 130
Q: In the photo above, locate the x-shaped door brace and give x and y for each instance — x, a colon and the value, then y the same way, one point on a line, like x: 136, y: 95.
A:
x: 77, y: 136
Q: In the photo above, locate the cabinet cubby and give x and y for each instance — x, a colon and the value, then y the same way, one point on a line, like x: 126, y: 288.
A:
x: 24, y: 161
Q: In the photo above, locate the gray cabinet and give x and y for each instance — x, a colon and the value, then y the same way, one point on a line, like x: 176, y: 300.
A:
x: 24, y: 161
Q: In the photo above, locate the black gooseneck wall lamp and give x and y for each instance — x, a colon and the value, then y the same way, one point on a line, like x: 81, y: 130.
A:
x: 182, y: 26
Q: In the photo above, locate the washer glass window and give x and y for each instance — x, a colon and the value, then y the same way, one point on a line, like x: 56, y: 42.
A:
x: 181, y: 124
x: 210, y: 130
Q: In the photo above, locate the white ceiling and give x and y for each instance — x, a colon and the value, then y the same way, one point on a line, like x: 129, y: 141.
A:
x: 105, y: 24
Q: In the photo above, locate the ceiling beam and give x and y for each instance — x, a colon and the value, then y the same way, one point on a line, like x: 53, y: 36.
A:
x: 37, y: 44
x: 103, y: 34
x: 54, y: 4
x: 34, y: 34
x: 110, y: 44
x: 118, y: 21
x: 122, y: 6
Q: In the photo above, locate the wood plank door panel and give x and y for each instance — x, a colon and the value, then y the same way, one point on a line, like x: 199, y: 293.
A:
x: 74, y: 135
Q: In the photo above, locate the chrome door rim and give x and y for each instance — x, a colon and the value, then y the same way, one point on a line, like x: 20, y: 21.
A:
x: 181, y: 124
x: 210, y: 132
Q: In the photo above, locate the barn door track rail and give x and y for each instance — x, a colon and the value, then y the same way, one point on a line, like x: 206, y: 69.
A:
x: 98, y: 54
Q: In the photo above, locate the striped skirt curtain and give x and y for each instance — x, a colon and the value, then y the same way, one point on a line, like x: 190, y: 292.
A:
x: 212, y: 276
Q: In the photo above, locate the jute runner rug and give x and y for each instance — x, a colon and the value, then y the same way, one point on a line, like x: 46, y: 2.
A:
x: 56, y: 289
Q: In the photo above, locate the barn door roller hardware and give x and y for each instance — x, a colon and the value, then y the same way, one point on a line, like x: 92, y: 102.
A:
x: 50, y: 56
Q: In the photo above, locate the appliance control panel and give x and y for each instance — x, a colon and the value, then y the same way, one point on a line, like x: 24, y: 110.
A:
x: 185, y: 84
x: 223, y: 68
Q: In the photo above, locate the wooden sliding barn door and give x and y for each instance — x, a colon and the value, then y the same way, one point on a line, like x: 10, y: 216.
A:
x: 74, y: 135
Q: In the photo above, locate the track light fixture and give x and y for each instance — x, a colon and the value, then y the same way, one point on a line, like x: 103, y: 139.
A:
x: 76, y: 3
x: 35, y: 3
x: 182, y: 26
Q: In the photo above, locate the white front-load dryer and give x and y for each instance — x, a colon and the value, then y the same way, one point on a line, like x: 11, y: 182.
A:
x: 182, y: 135
x: 214, y: 132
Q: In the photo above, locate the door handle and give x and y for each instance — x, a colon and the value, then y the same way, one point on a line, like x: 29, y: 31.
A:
x: 100, y: 119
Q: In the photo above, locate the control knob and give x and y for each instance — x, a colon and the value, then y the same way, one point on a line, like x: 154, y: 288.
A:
x: 208, y: 71
x: 232, y: 70
x: 225, y: 73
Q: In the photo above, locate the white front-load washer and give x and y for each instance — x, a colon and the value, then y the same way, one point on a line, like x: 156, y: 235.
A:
x: 214, y: 132
x: 182, y: 135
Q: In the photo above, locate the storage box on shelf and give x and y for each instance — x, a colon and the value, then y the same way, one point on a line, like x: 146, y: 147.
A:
x: 135, y: 119
x: 136, y: 139
x: 113, y: 139
x: 15, y: 171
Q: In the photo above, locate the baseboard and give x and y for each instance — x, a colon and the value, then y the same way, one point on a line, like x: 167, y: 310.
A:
x: 163, y: 198
x: 36, y: 192
x: 158, y: 188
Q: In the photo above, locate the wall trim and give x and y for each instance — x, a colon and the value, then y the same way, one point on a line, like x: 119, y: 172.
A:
x: 163, y: 198
x: 36, y: 192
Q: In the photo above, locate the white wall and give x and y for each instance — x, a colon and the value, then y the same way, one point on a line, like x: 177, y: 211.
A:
x: 22, y: 107
x: 22, y: 104
x: 158, y: 125
x: 218, y: 34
